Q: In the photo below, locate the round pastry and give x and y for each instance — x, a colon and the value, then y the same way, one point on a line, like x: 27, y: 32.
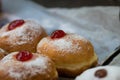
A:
x: 24, y: 65
x: 71, y: 53
x: 2, y: 53
x: 101, y: 73
x: 21, y: 35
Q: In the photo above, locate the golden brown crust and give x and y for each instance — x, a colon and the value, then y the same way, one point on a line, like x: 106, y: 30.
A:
x: 26, y: 39
x: 78, y: 56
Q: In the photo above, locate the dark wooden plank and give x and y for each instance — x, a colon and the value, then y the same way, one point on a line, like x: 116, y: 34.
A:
x: 77, y: 3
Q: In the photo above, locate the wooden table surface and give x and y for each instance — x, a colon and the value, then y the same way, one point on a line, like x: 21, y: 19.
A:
x: 77, y: 3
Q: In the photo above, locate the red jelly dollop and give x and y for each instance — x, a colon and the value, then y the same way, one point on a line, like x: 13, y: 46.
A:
x: 15, y: 24
x: 24, y: 56
x: 58, y: 34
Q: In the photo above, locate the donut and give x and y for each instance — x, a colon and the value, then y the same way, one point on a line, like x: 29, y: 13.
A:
x: 2, y: 53
x: 21, y: 35
x: 101, y: 73
x: 71, y: 53
x: 24, y: 65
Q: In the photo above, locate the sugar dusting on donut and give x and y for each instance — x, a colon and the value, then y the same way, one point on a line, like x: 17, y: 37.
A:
x: 20, y: 70
x: 23, y: 34
x: 66, y: 43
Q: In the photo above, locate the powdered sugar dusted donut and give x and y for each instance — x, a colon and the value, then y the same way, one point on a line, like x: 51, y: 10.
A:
x: 101, y: 73
x: 27, y: 66
x: 21, y: 35
x: 71, y: 53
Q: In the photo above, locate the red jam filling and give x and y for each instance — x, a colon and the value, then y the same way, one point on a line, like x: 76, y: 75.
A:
x: 58, y: 34
x: 24, y: 56
x: 15, y: 24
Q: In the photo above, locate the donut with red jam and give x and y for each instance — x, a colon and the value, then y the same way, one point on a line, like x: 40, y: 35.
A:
x: 71, y: 53
x: 21, y: 35
x: 24, y: 65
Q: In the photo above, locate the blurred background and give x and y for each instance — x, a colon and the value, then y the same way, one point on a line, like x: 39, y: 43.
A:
x: 77, y: 3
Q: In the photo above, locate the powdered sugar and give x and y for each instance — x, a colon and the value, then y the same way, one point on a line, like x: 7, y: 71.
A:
x: 78, y: 37
x: 62, y: 44
x: 67, y: 43
x: 38, y: 62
